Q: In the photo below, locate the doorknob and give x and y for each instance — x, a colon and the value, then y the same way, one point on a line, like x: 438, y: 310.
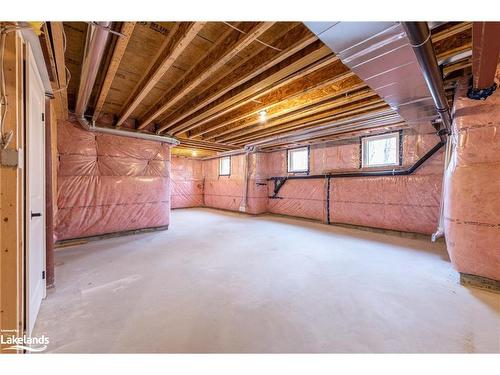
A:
x: 35, y: 214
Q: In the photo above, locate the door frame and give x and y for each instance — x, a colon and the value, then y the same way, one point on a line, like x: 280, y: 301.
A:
x: 30, y: 63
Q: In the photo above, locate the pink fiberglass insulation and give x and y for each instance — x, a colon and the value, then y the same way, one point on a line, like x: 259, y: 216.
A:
x: 472, y: 185
x: 187, y: 182
x: 228, y: 192
x: 108, y: 183
x: 406, y: 203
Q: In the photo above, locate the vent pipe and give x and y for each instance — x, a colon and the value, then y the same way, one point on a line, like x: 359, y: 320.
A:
x: 419, y: 37
x: 97, y: 37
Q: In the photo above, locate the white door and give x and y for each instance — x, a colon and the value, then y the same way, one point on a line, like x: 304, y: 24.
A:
x: 35, y: 191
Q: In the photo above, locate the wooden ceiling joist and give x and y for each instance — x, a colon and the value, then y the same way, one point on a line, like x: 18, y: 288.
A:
x: 215, y: 60
x: 340, y: 85
x: 290, y: 43
x: 214, y: 146
x: 54, y: 49
x: 118, y: 52
x: 299, y: 82
x: 277, y: 75
x: 206, y: 82
x: 310, y: 113
x: 174, y: 46
x: 451, y: 31
x: 379, y: 117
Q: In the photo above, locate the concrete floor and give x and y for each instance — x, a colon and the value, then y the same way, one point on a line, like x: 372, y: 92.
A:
x: 225, y: 282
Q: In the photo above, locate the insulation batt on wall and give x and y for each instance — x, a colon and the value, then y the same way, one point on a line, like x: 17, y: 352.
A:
x: 109, y: 183
x: 472, y: 184
x: 187, y: 182
x: 406, y: 203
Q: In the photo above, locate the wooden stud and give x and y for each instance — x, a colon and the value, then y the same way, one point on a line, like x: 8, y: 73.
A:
x: 12, y: 198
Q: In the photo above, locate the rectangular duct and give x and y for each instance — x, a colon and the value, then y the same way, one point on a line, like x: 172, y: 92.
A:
x: 380, y: 54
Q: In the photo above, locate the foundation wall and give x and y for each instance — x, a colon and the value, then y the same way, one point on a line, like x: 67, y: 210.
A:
x: 405, y: 203
x: 108, y: 183
x: 187, y: 182
x: 472, y: 184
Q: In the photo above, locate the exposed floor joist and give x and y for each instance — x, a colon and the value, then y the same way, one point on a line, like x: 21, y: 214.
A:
x: 206, y: 68
x: 118, y: 52
x: 255, y: 66
x: 174, y: 46
x: 260, y: 84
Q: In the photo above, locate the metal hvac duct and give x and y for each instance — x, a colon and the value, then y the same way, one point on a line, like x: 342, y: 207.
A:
x: 381, y: 54
x: 97, y: 37
x: 420, y: 38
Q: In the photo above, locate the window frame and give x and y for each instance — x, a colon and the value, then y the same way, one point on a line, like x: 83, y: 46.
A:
x: 220, y: 166
x: 288, y: 160
x: 399, y: 149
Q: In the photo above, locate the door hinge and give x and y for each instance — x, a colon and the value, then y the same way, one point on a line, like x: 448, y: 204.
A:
x: 43, y: 275
x: 43, y: 116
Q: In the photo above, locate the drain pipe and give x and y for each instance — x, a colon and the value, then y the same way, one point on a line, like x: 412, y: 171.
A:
x: 126, y: 133
x: 420, y: 39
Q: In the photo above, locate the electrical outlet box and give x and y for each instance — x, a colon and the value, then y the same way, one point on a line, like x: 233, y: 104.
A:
x: 243, y: 209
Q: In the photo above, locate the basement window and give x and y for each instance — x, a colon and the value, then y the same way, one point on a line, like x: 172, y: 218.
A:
x: 380, y: 150
x: 298, y: 160
x: 225, y: 166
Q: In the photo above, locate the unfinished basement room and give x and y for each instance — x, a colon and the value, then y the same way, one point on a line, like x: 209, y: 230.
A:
x: 250, y: 187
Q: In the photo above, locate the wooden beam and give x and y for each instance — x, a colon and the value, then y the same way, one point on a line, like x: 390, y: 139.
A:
x: 118, y: 52
x: 206, y: 145
x: 486, y: 48
x: 279, y: 75
x: 329, y: 123
x: 204, y: 70
x: 307, y: 79
x: 339, y: 85
x: 182, y: 36
x: 290, y: 43
x: 53, y: 47
x: 310, y: 114
x: 451, y: 31
x: 337, y: 136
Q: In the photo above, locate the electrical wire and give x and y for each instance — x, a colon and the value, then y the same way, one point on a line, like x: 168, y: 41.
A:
x: 258, y: 40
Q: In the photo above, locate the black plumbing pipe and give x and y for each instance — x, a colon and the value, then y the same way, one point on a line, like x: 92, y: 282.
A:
x: 280, y: 181
x: 394, y: 172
